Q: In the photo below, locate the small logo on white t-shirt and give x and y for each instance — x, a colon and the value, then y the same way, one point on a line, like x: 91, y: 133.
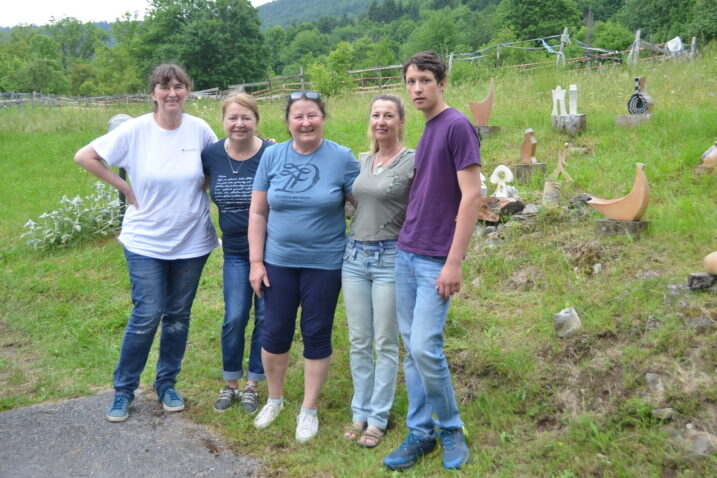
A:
x: 188, y: 150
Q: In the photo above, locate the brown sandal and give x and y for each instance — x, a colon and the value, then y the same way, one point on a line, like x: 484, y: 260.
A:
x: 354, y: 430
x: 371, y: 437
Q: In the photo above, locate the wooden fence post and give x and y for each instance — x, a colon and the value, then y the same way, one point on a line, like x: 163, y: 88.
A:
x: 561, y: 55
x: 450, y: 62
x: 301, y: 72
x: 693, y: 47
x: 497, y: 56
x: 634, y: 56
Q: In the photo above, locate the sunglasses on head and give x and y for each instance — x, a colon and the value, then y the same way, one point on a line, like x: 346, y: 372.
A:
x: 310, y: 95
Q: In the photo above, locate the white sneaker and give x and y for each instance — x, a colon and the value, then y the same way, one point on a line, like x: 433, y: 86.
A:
x: 307, y: 426
x: 268, y: 414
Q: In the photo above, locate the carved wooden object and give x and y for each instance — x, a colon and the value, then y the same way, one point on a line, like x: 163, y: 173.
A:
x: 562, y: 162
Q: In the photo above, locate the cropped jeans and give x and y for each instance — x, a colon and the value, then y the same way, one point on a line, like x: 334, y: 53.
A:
x: 422, y: 314
x: 238, y: 296
x: 162, y: 291
x: 370, y: 301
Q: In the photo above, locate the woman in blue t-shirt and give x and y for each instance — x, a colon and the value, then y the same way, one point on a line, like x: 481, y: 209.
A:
x: 230, y: 165
x: 296, y: 243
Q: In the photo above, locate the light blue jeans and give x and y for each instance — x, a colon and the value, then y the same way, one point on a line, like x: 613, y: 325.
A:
x: 370, y: 299
x: 162, y: 291
x: 422, y: 313
x: 238, y: 296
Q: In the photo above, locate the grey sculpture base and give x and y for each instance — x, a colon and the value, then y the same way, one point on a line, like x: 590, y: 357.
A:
x: 570, y: 124
x: 524, y: 172
x: 632, y: 121
x: 484, y: 131
x: 610, y: 227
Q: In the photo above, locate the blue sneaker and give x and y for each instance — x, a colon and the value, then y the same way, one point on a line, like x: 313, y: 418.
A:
x: 171, y: 400
x: 455, y: 450
x: 119, y: 410
x: 408, y: 453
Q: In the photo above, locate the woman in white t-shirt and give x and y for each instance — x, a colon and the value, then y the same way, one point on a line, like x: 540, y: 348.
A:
x: 167, y: 232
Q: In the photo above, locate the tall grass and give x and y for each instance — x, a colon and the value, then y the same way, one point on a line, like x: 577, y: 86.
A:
x: 534, y: 405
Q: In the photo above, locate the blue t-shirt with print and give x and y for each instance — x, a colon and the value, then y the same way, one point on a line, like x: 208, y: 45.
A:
x: 306, y: 193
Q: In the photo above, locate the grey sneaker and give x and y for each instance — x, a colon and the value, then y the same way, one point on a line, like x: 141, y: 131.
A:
x: 227, y: 396
x: 250, y: 400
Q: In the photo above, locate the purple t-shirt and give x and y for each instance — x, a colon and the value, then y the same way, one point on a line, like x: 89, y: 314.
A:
x: 448, y: 144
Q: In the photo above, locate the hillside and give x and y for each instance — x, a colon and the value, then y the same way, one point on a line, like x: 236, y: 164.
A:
x: 288, y: 12
x: 632, y: 394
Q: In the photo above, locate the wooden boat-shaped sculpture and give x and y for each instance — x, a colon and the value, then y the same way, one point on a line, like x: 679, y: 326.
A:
x: 628, y: 208
x: 481, y: 111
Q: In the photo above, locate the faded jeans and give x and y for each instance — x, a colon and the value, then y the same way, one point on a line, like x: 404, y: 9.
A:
x: 238, y: 296
x: 422, y: 313
x: 370, y: 301
x: 162, y: 291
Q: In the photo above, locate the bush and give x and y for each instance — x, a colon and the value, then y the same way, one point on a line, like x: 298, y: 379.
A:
x: 98, y: 214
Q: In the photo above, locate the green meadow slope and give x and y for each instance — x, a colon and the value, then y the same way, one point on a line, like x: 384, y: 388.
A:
x: 534, y: 405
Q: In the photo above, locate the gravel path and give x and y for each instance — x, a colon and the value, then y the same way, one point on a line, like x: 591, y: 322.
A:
x: 73, y: 439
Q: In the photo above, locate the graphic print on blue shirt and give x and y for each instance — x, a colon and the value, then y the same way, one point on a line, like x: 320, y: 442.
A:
x: 299, y: 177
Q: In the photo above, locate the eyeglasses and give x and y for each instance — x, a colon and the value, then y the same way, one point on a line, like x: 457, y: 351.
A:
x: 309, y: 95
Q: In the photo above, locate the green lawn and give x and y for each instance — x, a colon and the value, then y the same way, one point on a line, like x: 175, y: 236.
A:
x: 534, y: 405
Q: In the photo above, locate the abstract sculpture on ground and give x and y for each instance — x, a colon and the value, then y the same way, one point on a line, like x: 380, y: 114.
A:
x: 481, y: 112
x: 501, y: 176
x: 639, y: 106
x: 569, y: 122
x: 628, y: 208
x: 527, y: 149
x: 640, y: 102
x: 562, y: 162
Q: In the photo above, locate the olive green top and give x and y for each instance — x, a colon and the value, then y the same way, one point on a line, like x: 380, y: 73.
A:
x: 381, y: 199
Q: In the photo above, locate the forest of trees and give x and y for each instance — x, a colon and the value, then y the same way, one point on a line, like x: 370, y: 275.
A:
x: 222, y: 42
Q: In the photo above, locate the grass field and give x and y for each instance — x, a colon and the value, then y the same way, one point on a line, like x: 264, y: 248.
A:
x: 534, y: 405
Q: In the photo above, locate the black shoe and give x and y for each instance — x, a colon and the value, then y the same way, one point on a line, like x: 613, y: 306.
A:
x: 227, y: 396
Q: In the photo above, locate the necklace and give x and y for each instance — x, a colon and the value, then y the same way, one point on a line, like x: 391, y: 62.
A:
x: 377, y: 169
x: 229, y: 158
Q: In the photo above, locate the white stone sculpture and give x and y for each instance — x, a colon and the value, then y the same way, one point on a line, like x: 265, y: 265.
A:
x: 573, y: 99
x: 559, y: 102
x: 502, y: 175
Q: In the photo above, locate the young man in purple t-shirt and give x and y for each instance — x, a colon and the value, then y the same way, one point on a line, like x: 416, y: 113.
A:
x: 442, y: 212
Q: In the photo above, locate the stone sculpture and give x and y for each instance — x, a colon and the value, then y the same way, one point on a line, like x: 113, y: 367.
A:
x: 710, y: 263
x: 709, y: 157
x: 527, y: 149
x: 630, y: 207
x: 640, y: 102
x: 569, y: 122
x: 501, y: 176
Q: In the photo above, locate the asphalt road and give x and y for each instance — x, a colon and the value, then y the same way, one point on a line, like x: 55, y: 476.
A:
x: 73, y: 439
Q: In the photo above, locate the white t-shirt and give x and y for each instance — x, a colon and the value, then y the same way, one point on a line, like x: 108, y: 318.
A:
x: 165, y: 171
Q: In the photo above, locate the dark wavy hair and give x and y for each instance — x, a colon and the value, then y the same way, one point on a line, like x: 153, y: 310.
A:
x: 427, y: 60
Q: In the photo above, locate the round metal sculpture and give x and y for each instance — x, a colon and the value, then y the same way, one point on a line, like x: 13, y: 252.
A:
x: 640, y: 102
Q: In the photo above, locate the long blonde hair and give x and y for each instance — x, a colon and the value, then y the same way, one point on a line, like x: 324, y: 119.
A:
x: 373, y: 145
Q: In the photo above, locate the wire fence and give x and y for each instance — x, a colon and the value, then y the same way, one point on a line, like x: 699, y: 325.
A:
x: 389, y: 77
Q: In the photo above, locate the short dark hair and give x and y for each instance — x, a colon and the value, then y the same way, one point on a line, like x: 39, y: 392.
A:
x: 427, y: 60
x: 164, y: 73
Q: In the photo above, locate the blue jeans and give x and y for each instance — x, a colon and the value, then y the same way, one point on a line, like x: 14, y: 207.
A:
x: 422, y: 313
x: 370, y: 300
x: 162, y: 291
x: 238, y: 296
